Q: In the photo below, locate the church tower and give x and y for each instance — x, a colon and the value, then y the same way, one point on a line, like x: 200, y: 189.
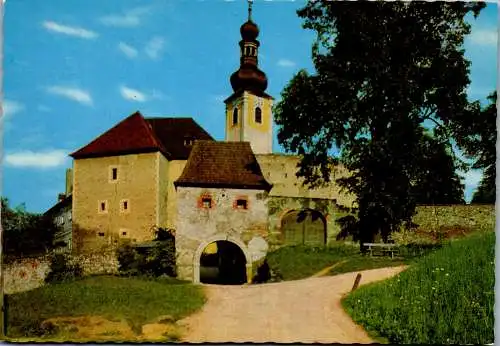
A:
x: 249, y: 109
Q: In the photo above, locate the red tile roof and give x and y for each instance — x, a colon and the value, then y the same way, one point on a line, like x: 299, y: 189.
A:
x: 172, y: 133
x: 223, y: 165
x: 135, y: 134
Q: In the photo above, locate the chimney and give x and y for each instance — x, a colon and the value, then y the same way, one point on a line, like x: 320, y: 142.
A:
x: 69, y: 182
x: 61, y: 197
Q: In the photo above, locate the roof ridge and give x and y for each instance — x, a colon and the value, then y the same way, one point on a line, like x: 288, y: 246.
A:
x: 152, y: 134
x: 161, y: 118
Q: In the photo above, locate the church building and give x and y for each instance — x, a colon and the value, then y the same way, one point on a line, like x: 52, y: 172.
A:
x: 234, y: 197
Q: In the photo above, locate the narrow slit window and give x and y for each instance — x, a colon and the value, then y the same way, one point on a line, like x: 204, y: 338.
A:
x: 258, y: 115
x: 125, y: 205
x: 235, y: 116
x: 114, y: 173
x: 103, y: 206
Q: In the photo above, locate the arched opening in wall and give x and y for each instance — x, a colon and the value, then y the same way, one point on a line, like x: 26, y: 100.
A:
x: 223, y: 263
x: 304, y: 227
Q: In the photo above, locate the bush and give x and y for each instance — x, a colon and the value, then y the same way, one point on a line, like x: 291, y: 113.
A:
x: 446, y: 297
x: 62, y: 270
x: 155, y: 259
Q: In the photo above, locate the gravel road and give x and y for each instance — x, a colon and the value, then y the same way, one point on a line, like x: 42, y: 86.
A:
x: 306, y: 310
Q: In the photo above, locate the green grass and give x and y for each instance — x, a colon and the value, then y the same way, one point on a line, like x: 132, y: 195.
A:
x: 137, y: 300
x: 446, y: 297
x: 298, y: 262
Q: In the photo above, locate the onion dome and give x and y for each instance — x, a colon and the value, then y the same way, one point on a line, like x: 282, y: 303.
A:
x: 249, y: 78
x: 249, y: 31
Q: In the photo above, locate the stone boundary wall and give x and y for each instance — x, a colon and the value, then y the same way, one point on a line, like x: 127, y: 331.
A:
x: 24, y: 274
x: 431, y: 217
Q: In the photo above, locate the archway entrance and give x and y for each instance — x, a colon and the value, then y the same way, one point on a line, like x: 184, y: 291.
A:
x: 223, y: 262
x: 307, y: 227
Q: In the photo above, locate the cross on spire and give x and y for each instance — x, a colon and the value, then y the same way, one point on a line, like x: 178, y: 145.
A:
x: 250, y: 2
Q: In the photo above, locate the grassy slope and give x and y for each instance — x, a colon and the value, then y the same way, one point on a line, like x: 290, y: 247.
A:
x: 298, y: 262
x: 446, y: 297
x: 133, y: 299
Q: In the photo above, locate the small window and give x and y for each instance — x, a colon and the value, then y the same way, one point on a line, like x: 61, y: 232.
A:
x: 206, y: 202
x: 241, y: 203
x: 114, y: 173
x: 188, y: 142
x: 103, y: 207
x: 235, y: 116
x: 124, y: 233
x: 258, y: 115
x: 124, y: 206
x: 101, y: 234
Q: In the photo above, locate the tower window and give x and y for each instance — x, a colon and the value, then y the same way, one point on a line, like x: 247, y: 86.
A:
x: 258, y: 115
x: 235, y: 116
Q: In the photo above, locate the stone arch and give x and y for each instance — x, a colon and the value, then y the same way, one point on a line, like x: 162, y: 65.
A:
x: 303, y: 226
x: 221, y: 237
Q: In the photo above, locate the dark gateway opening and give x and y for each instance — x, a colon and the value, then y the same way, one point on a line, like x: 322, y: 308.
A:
x: 223, y: 263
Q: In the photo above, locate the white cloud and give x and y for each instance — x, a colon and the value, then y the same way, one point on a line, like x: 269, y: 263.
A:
x: 69, y: 30
x: 154, y: 47
x: 11, y: 107
x: 31, y: 159
x: 128, y: 50
x: 132, y: 94
x: 484, y: 37
x: 128, y: 19
x: 75, y: 94
x: 285, y: 63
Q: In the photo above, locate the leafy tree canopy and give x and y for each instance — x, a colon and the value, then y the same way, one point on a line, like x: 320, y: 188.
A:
x: 25, y: 233
x: 479, y: 137
x: 382, y: 69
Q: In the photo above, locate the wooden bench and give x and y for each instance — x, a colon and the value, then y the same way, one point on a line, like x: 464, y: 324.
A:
x: 383, y: 247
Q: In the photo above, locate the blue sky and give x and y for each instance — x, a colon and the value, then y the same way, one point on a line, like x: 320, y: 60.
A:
x: 74, y: 68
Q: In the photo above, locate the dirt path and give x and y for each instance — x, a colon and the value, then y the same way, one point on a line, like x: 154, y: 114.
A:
x: 306, y: 310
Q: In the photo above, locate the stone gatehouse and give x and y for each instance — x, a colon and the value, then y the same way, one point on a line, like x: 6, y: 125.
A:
x: 229, y: 201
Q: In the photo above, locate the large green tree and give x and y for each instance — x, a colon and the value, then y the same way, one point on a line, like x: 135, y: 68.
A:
x: 25, y: 233
x: 479, y: 142
x: 437, y: 180
x: 381, y: 70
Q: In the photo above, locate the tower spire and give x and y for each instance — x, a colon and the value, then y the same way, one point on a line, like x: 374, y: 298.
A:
x: 248, y: 76
x: 250, y: 2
